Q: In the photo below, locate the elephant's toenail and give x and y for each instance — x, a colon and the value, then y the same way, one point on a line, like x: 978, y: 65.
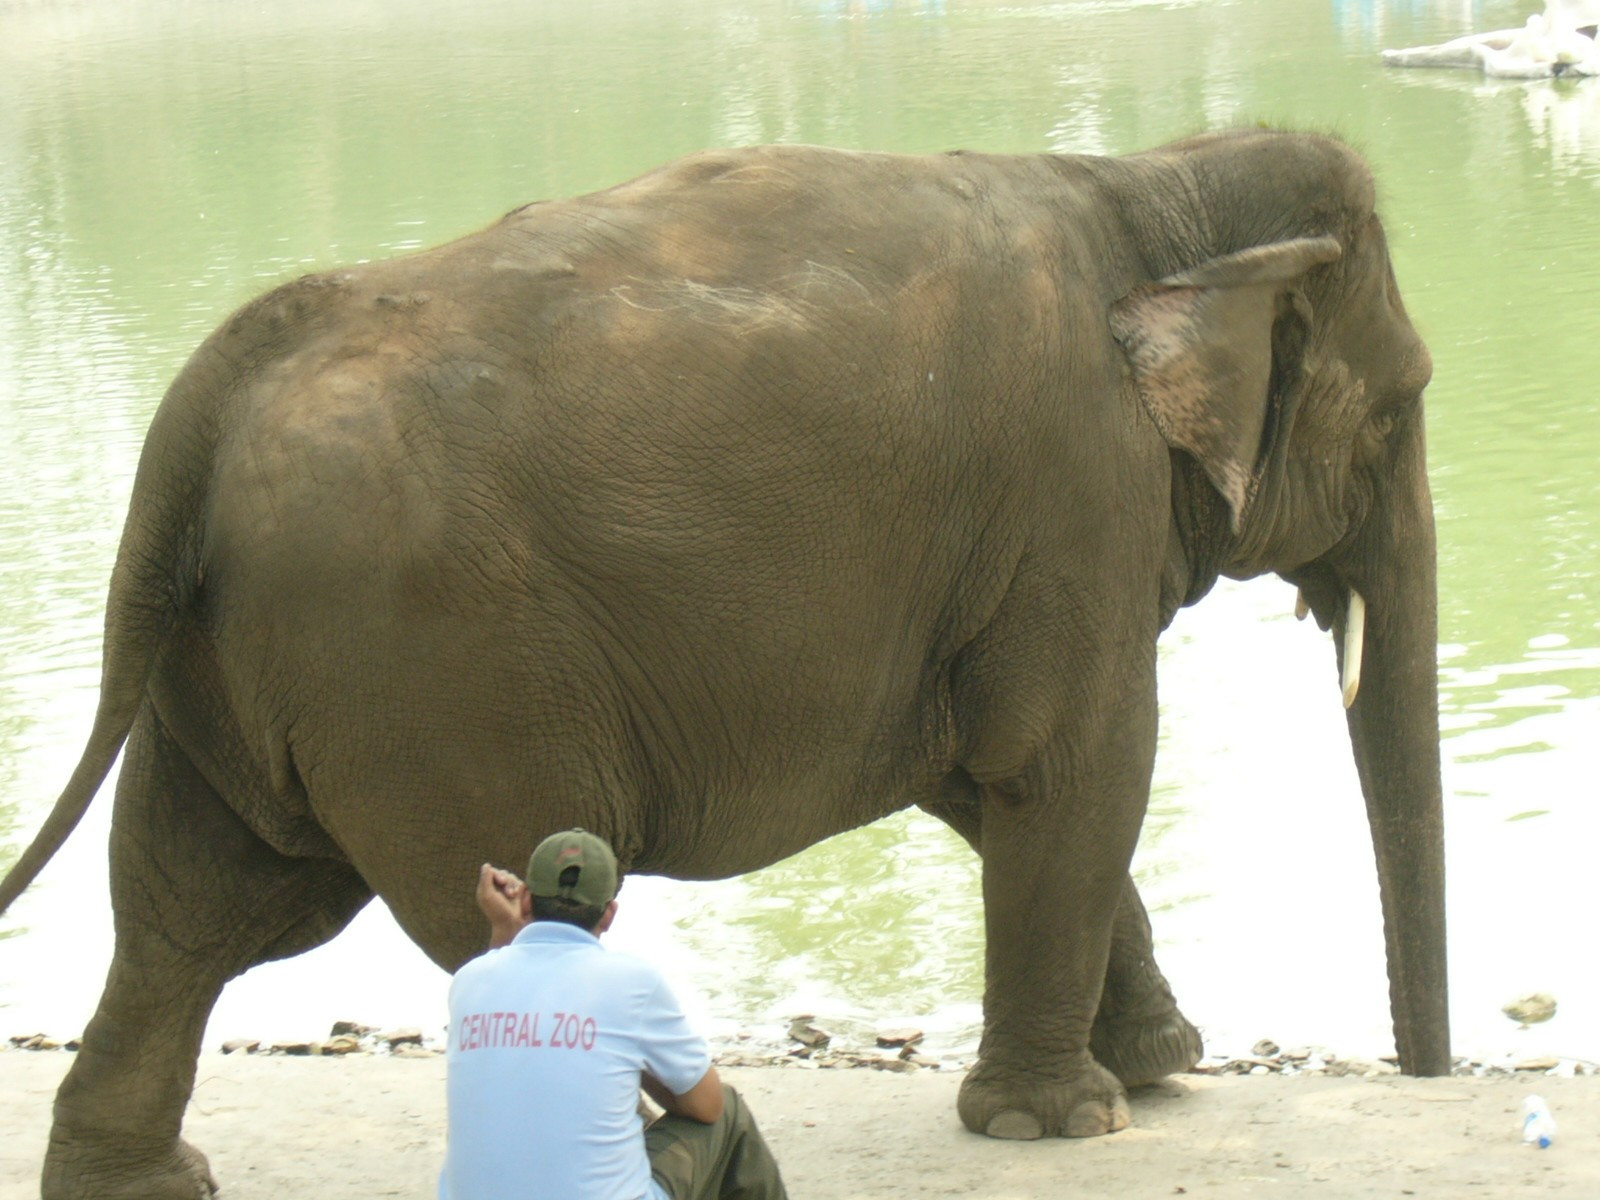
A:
x: 1092, y: 1118
x: 1015, y: 1125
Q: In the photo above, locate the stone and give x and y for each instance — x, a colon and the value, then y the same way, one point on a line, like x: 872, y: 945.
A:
x: 1362, y: 1067
x: 234, y: 1045
x: 889, y: 1064
x: 736, y: 1058
x: 350, y: 1029
x: 395, y: 1038
x: 413, y: 1050
x: 890, y: 1039
x: 802, y: 1031
x: 1538, y: 1064
x: 1250, y: 1066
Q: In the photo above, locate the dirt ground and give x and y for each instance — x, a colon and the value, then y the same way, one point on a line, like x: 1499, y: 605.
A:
x: 365, y: 1127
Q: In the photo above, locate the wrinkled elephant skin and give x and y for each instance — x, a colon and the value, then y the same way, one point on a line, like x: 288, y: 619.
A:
x: 733, y: 507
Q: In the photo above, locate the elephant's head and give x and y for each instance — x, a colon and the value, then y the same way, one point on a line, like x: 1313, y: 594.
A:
x: 1281, y: 367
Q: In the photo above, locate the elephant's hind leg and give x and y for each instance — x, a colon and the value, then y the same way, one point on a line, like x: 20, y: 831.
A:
x: 198, y: 899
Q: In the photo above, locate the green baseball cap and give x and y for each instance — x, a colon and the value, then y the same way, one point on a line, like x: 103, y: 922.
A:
x: 596, y: 883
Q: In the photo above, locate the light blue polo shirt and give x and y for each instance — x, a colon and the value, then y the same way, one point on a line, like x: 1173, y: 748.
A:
x: 548, y: 1036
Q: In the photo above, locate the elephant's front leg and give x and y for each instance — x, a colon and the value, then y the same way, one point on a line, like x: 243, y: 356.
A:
x: 1057, y: 838
x: 1140, y: 1034
x: 1048, y: 930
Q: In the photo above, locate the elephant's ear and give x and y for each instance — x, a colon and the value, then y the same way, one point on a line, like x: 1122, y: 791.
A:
x: 1200, y: 344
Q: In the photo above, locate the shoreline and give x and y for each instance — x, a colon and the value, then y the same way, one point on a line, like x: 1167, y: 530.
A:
x: 897, y: 1050
x: 278, y: 1125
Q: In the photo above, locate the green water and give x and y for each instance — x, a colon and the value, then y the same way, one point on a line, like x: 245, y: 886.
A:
x: 162, y: 162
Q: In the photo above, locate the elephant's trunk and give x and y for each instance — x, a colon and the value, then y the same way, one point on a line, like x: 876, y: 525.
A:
x: 1394, y: 730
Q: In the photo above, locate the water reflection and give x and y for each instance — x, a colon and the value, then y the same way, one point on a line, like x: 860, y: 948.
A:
x: 1562, y: 115
x: 1565, y: 120
x: 879, y: 925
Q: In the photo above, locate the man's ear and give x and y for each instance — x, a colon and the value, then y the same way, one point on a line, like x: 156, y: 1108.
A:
x: 606, y: 918
x: 525, y: 904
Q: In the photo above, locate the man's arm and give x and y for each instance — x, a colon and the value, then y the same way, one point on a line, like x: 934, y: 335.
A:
x: 702, y: 1102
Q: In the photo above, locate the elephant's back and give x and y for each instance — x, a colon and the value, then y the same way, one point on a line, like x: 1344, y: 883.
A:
x: 774, y: 239
x: 764, y: 384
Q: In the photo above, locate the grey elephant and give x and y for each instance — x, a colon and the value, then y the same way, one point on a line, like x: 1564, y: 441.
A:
x: 733, y: 507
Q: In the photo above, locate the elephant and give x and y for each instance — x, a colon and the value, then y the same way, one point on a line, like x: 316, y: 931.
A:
x: 732, y: 507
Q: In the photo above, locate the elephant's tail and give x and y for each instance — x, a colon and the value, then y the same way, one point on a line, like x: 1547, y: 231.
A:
x: 105, y: 741
x: 156, y: 573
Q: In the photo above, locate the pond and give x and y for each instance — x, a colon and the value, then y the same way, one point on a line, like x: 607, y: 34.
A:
x: 161, y: 163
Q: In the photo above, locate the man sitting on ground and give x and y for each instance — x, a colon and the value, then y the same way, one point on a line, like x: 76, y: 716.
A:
x: 551, y: 1038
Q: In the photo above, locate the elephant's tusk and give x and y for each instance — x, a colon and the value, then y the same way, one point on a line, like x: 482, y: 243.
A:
x: 1301, y: 608
x: 1355, y: 632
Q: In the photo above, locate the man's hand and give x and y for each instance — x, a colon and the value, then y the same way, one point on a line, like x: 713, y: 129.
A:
x: 502, y: 897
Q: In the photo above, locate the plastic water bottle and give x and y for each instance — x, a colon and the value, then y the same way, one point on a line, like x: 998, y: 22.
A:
x: 1538, y: 1126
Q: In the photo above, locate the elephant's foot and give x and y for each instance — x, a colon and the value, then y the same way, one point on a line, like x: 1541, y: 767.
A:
x: 1141, y: 1050
x: 78, y: 1170
x: 1008, y: 1104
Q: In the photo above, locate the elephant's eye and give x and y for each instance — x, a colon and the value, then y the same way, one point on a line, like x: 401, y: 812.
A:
x: 1383, y: 421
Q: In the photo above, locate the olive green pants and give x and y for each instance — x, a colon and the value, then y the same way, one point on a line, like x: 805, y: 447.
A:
x: 724, y: 1161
